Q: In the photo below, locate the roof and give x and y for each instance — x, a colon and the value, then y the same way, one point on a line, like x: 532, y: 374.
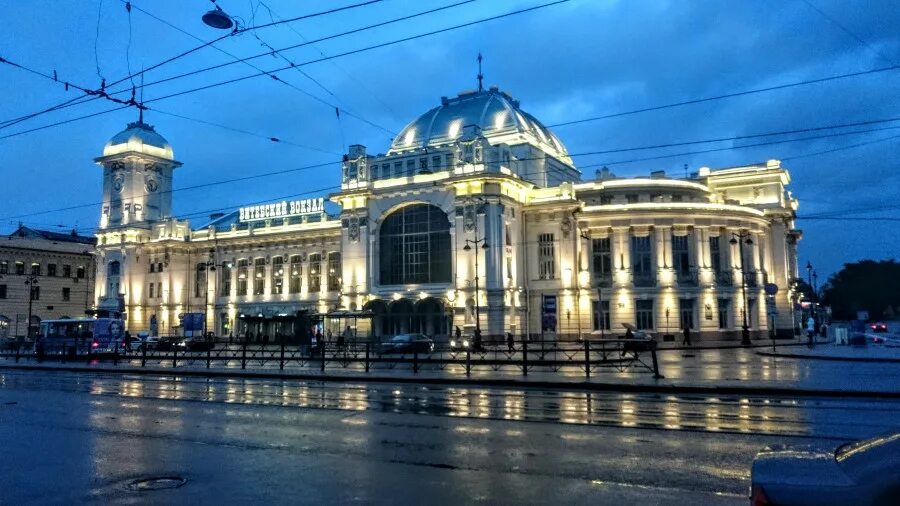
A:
x: 141, y: 138
x: 71, y: 237
x: 495, y: 112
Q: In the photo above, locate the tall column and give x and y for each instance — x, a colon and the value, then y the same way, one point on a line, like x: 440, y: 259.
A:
x: 492, y: 233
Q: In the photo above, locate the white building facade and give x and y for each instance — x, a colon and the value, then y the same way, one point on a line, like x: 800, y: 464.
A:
x: 476, y: 217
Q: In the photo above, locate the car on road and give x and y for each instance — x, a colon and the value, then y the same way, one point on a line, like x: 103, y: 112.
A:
x: 407, y: 343
x: 461, y: 344
x: 865, y: 472
x: 879, y: 327
x: 149, y: 342
x: 195, y: 344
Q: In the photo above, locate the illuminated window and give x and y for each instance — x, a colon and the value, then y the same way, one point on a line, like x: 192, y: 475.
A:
x: 296, y: 274
x: 243, y: 273
x: 315, y: 273
x: 602, y: 260
x: 641, y: 260
x: 334, y: 271
x: 35, y: 269
x: 600, y: 314
x: 278, y: 275
x: 546, y: 257
x: 415, y: 246
x: 259, y: 276
x: 643, y: 312
x: 681, y: 258
x: 225, y: 286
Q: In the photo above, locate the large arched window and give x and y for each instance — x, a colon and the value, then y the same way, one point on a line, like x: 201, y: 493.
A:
x: 415, y: 246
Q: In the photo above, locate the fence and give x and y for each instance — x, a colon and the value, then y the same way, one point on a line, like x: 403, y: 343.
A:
x: 522, y: 356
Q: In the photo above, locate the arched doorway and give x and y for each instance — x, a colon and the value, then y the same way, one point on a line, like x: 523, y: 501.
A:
x: 380, y: 322
x: 400, y: 317
x: 430, y: 317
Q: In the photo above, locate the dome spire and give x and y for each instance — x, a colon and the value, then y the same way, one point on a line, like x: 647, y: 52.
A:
x: 480, y: 75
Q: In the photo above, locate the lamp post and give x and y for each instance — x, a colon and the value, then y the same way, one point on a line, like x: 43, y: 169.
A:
x: 30, y: 281
x: 468, y: 247
x: 809, y: 281
x: 741, y: 238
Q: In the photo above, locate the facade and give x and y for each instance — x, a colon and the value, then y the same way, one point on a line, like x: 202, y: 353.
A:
x: 475, y: 217
x: 59, y: 270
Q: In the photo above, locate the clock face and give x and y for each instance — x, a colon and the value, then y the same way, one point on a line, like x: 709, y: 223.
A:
x: 152, y: 185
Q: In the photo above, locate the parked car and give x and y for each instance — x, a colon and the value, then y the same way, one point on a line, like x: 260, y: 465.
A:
x: 407, y: 343
x: 865, y: 472
x: 461, y: 344
x: 195, y: 344
x: 879, y: 327
x: 149, y: 342
x: 167, y: 343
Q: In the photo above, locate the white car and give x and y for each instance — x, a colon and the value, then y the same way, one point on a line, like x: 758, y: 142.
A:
x: 863, y: 472
x: 149, y: 342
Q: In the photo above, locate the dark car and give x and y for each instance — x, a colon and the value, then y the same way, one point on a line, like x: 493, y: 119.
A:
x: 407, y: 343
x: 166, y: 344
x: 879, y: 327
x: 195, y: 344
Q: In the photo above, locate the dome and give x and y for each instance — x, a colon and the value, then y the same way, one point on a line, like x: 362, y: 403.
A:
x: 495, y: 112
x: 139, y: 137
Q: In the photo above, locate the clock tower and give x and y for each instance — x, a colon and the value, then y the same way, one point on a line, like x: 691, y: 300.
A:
x: 137, y: 178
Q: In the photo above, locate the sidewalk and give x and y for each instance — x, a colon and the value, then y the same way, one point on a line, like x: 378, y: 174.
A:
x: 710, y: 371
x: 831, y: 351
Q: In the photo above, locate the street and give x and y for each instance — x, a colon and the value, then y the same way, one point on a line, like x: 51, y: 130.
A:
x: 83, y: 437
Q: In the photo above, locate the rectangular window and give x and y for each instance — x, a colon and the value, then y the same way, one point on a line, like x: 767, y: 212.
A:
x: 159, y: 267
x: 398, y: 169
x: 631, y: 199
x: 2, y: 291
x: 373, y: 174
x: 225, y: 285
x: 4, y: 267
x: 200, y: 280
x: 152, y: 267
x: 643, y: 312
x: 410, y: 167
x: 449, y: 161
x: 278, y: 275
x: 20, y: 268
x: 334, y: 271
x: 724, y: 304
x: 642, y: 261
x: 243, y: 273
x: 315, y: 273
x: 150, y: 294
x: 546, y: 257
x: 296, y: 274
x: 686, y: 313
x: 79, y: 272
x: 436, y: 164
x: 35, y: 293
x: 600, y: 314
x: 259, y: 276
x: 681, y: 258
x: 35, y: 269
x: 67, y: 271
x: 423, y: 164
x: 66, y: 294
x: 51, y: 270
x: 602, y: 260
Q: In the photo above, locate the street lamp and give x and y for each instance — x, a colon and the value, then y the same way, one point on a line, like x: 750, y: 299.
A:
x: 217, y: 18
x: 741, y: 238
x: 813, y: 297
x: 30, y: 281
x: 468, y: 247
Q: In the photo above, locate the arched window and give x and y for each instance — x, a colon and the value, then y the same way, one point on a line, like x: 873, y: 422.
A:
x: 415, y: 246
x: 113, y: 268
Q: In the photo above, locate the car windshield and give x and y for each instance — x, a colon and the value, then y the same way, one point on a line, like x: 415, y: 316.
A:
x: 890, y: 442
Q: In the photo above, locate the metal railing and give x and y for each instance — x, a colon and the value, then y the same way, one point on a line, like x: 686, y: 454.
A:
x: 522, y: 356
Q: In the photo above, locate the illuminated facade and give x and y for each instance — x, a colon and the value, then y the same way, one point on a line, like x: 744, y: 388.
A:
x: 474, y: 181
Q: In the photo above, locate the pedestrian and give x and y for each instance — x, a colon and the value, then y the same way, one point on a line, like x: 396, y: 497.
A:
x: 687, y: 334
x: 477, y: 339
x: 458, y: 334
x: 509, y: 342
x: 127, y: 342
x: 810, y: 330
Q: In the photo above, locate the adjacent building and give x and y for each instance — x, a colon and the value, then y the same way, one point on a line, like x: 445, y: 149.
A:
x: 475, y: 217
x: 56, y: 268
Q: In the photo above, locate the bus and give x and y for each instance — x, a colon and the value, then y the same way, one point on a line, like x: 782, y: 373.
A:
x: 84, y: 335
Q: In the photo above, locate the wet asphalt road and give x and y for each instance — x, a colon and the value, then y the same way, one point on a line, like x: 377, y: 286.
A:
x: 80, y: 437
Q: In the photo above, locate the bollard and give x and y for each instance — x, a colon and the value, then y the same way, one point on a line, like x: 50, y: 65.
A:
x: 244, y: 355
x: 468, y: 362
x: 524, y: 357
x: 415, y: 362
x: 367, y: 357
x: 656, y: 373
x: 144, y: 355
x: 587, y: 359
x: 208, y: 356
x: 281, y: 363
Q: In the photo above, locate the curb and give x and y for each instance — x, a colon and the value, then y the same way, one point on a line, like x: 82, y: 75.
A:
x: 505, y: 383
x: 835, y: 359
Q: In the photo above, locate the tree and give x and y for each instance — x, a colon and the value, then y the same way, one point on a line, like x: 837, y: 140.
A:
x: 867, y: 285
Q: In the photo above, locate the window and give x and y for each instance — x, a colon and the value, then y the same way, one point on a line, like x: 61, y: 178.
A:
x: 35, y: 269
x: 724, y: 304
x: 398, y: 169
x: 113, y: 268
x: 225, y: 286
x: 243, y: 268
x: 35, y: 293
x: 67, y: 271
x: 66, y: 294
x: 631, y: 199
x: 200, y: 280
x: 686, y: 313
x: 436, y: 163
x: 79, y: 272
x: 415, y: 246
x: 20, y: 268
x: 296, y: 274
x: 159, y: 267
x: 602, y: 260
x: 4, y: 267
x: 423, y: 164
x: 715, y: 255
x: 600, y: 312
x: 641, y: 260
x: 449, y: 161
x: 315, y: 273
x: 51, y: 270
x: 259, y: 276
x: 410, y: 167
x: 681, y: 256
x: 643, y: 312
x: 373, y: 174
x: 546, y: 257
x: 150, y: 294
x: 152, y: 267
x: 278, y: 275
x: 334, y: 271
x: 2, y: 291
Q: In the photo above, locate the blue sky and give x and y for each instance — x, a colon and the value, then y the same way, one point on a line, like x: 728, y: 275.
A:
x: 565, y: 62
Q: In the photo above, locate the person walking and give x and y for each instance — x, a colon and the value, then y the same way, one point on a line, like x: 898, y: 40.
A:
x: 687, y: 334
x: 458, y: 334
x: 810, y: 330
x: 510, y: 343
